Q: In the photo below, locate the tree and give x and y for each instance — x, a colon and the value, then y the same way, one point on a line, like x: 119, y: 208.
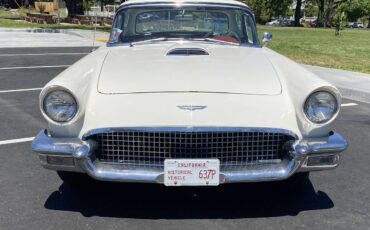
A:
x: 358, y: 9
x: 258, y: 10
x: 297, y: 12
x: 86, y: 4
x: 338, y: 18
x: 355, y: 11
x: 320, y: 16
x: 366, y: 6
x: 264, y: 10
x: 332, y: 5
x: 105, y: 2
x: 277, y: 8
x: 74, y: 7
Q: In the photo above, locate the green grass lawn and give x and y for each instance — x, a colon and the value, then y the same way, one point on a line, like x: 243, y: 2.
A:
x: 349, y: 51
x: 8, y: 14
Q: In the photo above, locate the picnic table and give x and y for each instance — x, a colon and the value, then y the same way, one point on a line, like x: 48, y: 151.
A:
x: 90, y: 20
x: 39, y: 18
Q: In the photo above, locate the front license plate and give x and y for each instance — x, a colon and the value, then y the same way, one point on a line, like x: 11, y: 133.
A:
x: 191, y: 172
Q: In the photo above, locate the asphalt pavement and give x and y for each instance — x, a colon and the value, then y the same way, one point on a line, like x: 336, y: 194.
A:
x: 10, y: 37
x: 34, y: 198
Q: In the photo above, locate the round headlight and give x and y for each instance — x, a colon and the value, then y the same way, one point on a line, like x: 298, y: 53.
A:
x: 60, y: 106
x: 320, y: 107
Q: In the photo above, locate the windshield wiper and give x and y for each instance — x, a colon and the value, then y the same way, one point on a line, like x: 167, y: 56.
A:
x: 149, y: 41
x: 218, y: 41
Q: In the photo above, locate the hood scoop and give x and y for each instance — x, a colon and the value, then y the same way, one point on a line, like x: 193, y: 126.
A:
x: 187, y: 52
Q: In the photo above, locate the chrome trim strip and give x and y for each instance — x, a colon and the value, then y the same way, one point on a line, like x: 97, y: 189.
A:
x: 161, y: 4
x: 108, y: 172
x: 189, y: 129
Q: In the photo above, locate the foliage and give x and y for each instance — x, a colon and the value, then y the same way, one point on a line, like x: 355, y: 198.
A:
x: 74, y: 7
x: 339, y: 19
x: 325, y: 10
x: 310, y: 8
x: 5, y: 13
x: 266, y: 9
x: 355, y: 11
x: 87, y: 4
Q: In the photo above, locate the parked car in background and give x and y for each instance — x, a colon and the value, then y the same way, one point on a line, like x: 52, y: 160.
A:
x: 184, y: 94
x: 275, y: 22
x: 287, y: 22
x: 355, y: 25
x: 281, y: 22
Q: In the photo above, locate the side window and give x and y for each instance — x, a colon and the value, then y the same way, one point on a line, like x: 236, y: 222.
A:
x: 117, y: 29
x: 238, y: 21
x: 248, y: 27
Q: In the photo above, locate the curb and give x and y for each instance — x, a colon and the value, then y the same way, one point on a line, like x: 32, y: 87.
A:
x: 352, y: 85
x: 31, y: 30
x: 355, y: 94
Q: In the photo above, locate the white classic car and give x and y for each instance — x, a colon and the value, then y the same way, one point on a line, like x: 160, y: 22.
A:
x: 184, y: 94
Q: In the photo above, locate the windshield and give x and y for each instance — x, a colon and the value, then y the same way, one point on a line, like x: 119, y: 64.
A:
x: 232, y: 25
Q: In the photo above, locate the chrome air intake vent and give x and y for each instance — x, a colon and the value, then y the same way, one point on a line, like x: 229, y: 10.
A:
x: 187, y: 52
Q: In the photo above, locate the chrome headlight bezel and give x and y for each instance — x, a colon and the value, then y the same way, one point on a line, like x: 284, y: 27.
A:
x: 334, y: 112
x: 44, y: 96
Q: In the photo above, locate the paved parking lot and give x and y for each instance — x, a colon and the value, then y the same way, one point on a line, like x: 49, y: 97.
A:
x: 33, y: 198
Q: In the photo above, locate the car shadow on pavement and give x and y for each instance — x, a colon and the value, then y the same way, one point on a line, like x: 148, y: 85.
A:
x: 149, y: 201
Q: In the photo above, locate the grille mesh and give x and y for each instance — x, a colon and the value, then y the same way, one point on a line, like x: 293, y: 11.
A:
x: 152, y: 148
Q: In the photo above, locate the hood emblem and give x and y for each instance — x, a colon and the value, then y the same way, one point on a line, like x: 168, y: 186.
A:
x: 191, y: 107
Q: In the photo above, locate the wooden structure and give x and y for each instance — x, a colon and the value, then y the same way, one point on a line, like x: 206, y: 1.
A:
x: 40, y: 18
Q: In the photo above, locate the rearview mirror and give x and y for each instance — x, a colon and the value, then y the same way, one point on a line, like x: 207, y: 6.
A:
x: 267, y: 37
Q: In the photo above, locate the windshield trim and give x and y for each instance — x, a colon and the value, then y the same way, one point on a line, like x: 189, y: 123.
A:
x: 197, y: 4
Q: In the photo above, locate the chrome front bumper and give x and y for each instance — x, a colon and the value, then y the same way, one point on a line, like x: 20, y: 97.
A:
x: 70, y: 154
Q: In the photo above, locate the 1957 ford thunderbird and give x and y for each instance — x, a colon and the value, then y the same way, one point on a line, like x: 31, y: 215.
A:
x: 185, y: 94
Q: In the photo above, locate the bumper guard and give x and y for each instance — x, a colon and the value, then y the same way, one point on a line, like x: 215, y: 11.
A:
x: 72, y: 154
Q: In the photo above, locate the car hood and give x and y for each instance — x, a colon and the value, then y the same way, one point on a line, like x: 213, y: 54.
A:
x: 226, y: 69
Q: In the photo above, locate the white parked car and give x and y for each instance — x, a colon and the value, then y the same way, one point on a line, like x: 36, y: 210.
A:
x: 184, y: 94
x: 355, y: 25
x: 275, y: 22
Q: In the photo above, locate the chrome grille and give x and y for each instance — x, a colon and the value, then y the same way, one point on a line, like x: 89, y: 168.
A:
x: 143, y: 148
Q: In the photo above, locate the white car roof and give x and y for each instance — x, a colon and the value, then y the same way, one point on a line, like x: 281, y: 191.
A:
x: 233, y: 2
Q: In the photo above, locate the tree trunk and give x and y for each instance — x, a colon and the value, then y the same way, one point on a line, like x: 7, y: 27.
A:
x: 368, y: 24
x: 74, y: 7
x: 320, y: 16
x: 297, y: 13
x: 329, y: 13
x: 16, y: 2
